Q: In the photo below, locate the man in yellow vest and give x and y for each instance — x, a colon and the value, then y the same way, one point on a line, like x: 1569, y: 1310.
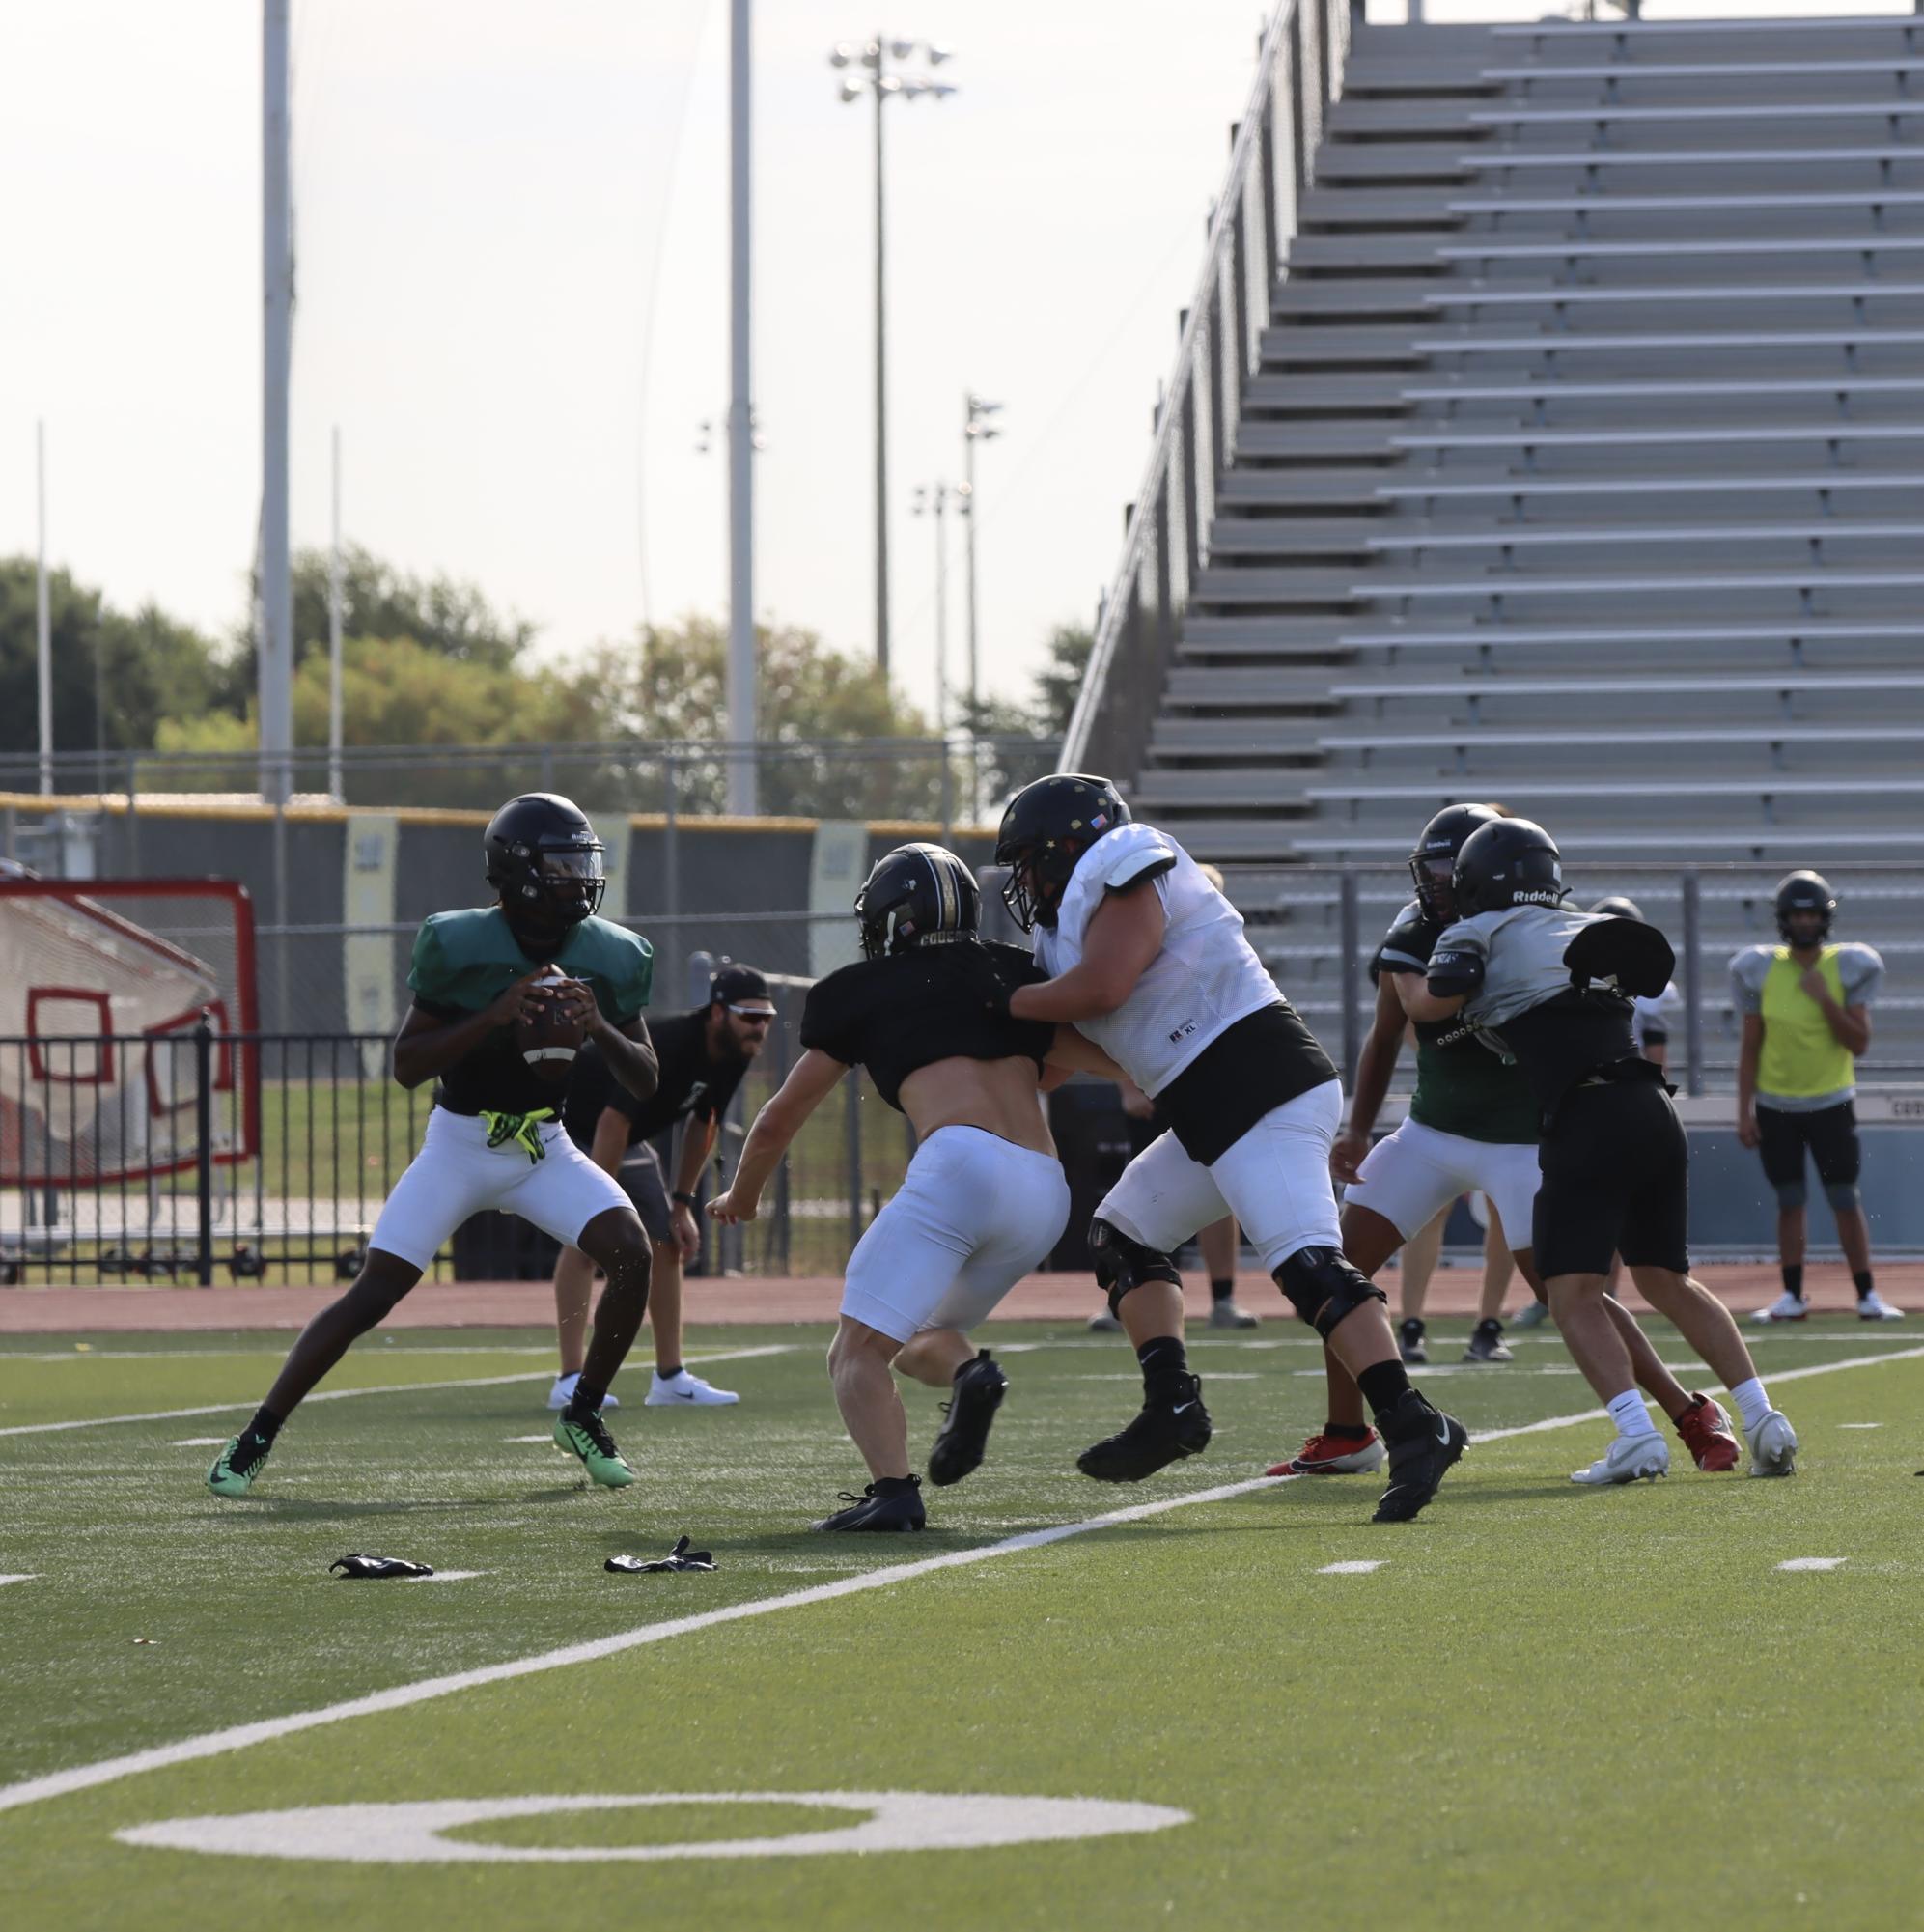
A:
x: 1806, y: 1018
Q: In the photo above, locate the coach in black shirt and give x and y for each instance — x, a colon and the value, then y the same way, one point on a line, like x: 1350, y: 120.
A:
x: 703, y: 1056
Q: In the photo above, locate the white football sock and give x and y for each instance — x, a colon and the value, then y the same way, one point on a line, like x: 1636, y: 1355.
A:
x: 1752, y: 1404
x: 1632, y: 1417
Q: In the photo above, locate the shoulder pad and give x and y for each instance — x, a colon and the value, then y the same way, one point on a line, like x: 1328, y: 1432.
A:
x: 1636, y: 956
x: 1752, y: 963
x: 1455, y: 971
x: 1408, y: 945
x: 1118, y: 859
x: 1121, y: 857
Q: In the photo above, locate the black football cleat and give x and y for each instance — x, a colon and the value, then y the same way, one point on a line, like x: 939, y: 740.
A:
x: 1161, y: 1433
x: 1486, y: 1343
x: 1423, y: 1446
x: 900, y: 1508
x: 958, y: 1448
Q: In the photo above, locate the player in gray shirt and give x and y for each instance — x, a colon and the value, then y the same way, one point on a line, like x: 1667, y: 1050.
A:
x: 1553, y: 986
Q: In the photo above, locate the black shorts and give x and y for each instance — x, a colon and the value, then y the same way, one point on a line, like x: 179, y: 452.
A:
x: 643, y: 1182
x: 1616, y: 1170
x: 643, y: 1179
x: 1831, y: 1133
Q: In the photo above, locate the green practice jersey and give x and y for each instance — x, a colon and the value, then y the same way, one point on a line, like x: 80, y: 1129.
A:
x: 1462, y: 1086
x: 464, y: 960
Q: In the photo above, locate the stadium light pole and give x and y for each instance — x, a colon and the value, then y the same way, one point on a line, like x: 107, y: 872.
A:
x: 274, y: 632
x: 743, y: 776
x: 335, y: 790
x: 934, y: 500
x: 976, y: 429
x: 873, y: 56
x: 44, y: 619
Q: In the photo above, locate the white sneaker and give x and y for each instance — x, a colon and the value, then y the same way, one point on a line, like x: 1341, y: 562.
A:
x: 1873, y: 1307
x: 563, y: 1393
x: 1774, y: 1446
x: 1629, y: 1459
x: 682, y: 1390
x: 1787, y: 1307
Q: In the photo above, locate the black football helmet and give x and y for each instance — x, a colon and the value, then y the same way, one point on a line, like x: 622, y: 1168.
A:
x: 545, y: 860
x: 918, y: 895
x: 1048, y: 827
x: 1507, y: 862
x: 1805, y: 892
x: 1434, y: 860
x: 1618, y: 906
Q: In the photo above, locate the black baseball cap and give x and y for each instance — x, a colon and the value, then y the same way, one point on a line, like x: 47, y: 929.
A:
x: 733, y: 984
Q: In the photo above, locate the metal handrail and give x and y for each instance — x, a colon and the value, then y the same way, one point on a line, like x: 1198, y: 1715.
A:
x: 1210, y: 328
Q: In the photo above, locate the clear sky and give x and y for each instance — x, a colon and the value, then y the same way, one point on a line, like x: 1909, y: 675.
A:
x: 511, y: 226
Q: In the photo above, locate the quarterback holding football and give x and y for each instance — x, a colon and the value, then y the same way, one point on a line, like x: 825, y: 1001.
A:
x: 503, y: 997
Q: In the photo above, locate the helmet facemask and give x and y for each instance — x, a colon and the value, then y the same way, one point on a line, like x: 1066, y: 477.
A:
x: 1809, y: 894
x: 1039, y: 874
x: 1433, y: 875
x: 554, y: 887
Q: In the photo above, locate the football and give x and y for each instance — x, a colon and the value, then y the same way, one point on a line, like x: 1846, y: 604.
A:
x: 547, y: 1035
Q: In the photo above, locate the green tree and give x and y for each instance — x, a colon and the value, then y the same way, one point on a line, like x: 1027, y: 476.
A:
x: 1017, y: 740
x: 1059, y: 683
x: 672, y: 684
x: 402, y: 693
x: 451, y: 619
x: 114, y: 676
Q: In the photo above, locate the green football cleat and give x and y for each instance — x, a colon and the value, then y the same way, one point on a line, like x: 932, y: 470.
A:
x: 237, y: 1465
x: 587, y: 1437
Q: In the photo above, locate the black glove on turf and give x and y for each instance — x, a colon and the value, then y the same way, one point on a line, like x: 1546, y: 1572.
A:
x: 680, y: 1557
x: 351, y: 1567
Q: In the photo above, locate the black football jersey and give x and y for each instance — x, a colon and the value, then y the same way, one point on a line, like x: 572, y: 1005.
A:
x: 894, y: 1016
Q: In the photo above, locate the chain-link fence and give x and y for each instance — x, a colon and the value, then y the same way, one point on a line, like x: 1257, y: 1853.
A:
x: 934, y: 780
x: 1315, y: 928
x: 290, y: 1189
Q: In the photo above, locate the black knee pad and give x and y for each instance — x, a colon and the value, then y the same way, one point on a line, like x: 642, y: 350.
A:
x: 1123, y: 1263
x: 1322, y: 1286
x: 1791, y: 1195
x: 1843, y: 1195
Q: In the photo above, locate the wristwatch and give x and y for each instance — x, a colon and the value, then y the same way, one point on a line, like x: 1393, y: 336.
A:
x: 686, y: 1200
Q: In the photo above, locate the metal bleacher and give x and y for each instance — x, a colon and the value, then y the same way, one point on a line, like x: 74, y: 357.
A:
x: 1581, y: 466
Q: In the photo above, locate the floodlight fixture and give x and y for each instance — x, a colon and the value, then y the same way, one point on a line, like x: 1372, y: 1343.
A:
x: 879, y: 80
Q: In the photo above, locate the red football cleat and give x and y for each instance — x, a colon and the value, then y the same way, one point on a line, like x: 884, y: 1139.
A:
x: 1333, y: 1456
x: 1707, y: 1435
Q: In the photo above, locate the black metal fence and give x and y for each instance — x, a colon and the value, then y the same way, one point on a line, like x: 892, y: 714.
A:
x: 206, y: 1157
x: 942, y: 781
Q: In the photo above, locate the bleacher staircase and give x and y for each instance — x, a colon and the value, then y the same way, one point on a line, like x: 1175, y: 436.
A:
x: 1584, y: 466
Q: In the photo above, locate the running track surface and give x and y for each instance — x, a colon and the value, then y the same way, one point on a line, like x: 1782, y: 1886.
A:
x: 504, y: 1305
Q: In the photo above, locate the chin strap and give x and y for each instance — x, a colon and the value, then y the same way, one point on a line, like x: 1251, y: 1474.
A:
x: 524, y: 1129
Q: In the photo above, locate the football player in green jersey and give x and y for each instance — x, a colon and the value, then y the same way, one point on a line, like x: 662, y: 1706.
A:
x: 493, y: 1138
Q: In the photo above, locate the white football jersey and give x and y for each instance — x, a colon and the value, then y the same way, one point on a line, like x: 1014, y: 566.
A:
x: 1205, y: 979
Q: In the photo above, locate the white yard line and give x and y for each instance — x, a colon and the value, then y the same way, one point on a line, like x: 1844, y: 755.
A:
x: 237, y: 1737
x: 345, y: 1394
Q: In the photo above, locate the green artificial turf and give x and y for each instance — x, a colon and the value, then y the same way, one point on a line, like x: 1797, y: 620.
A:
x: 1550, y: 1707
